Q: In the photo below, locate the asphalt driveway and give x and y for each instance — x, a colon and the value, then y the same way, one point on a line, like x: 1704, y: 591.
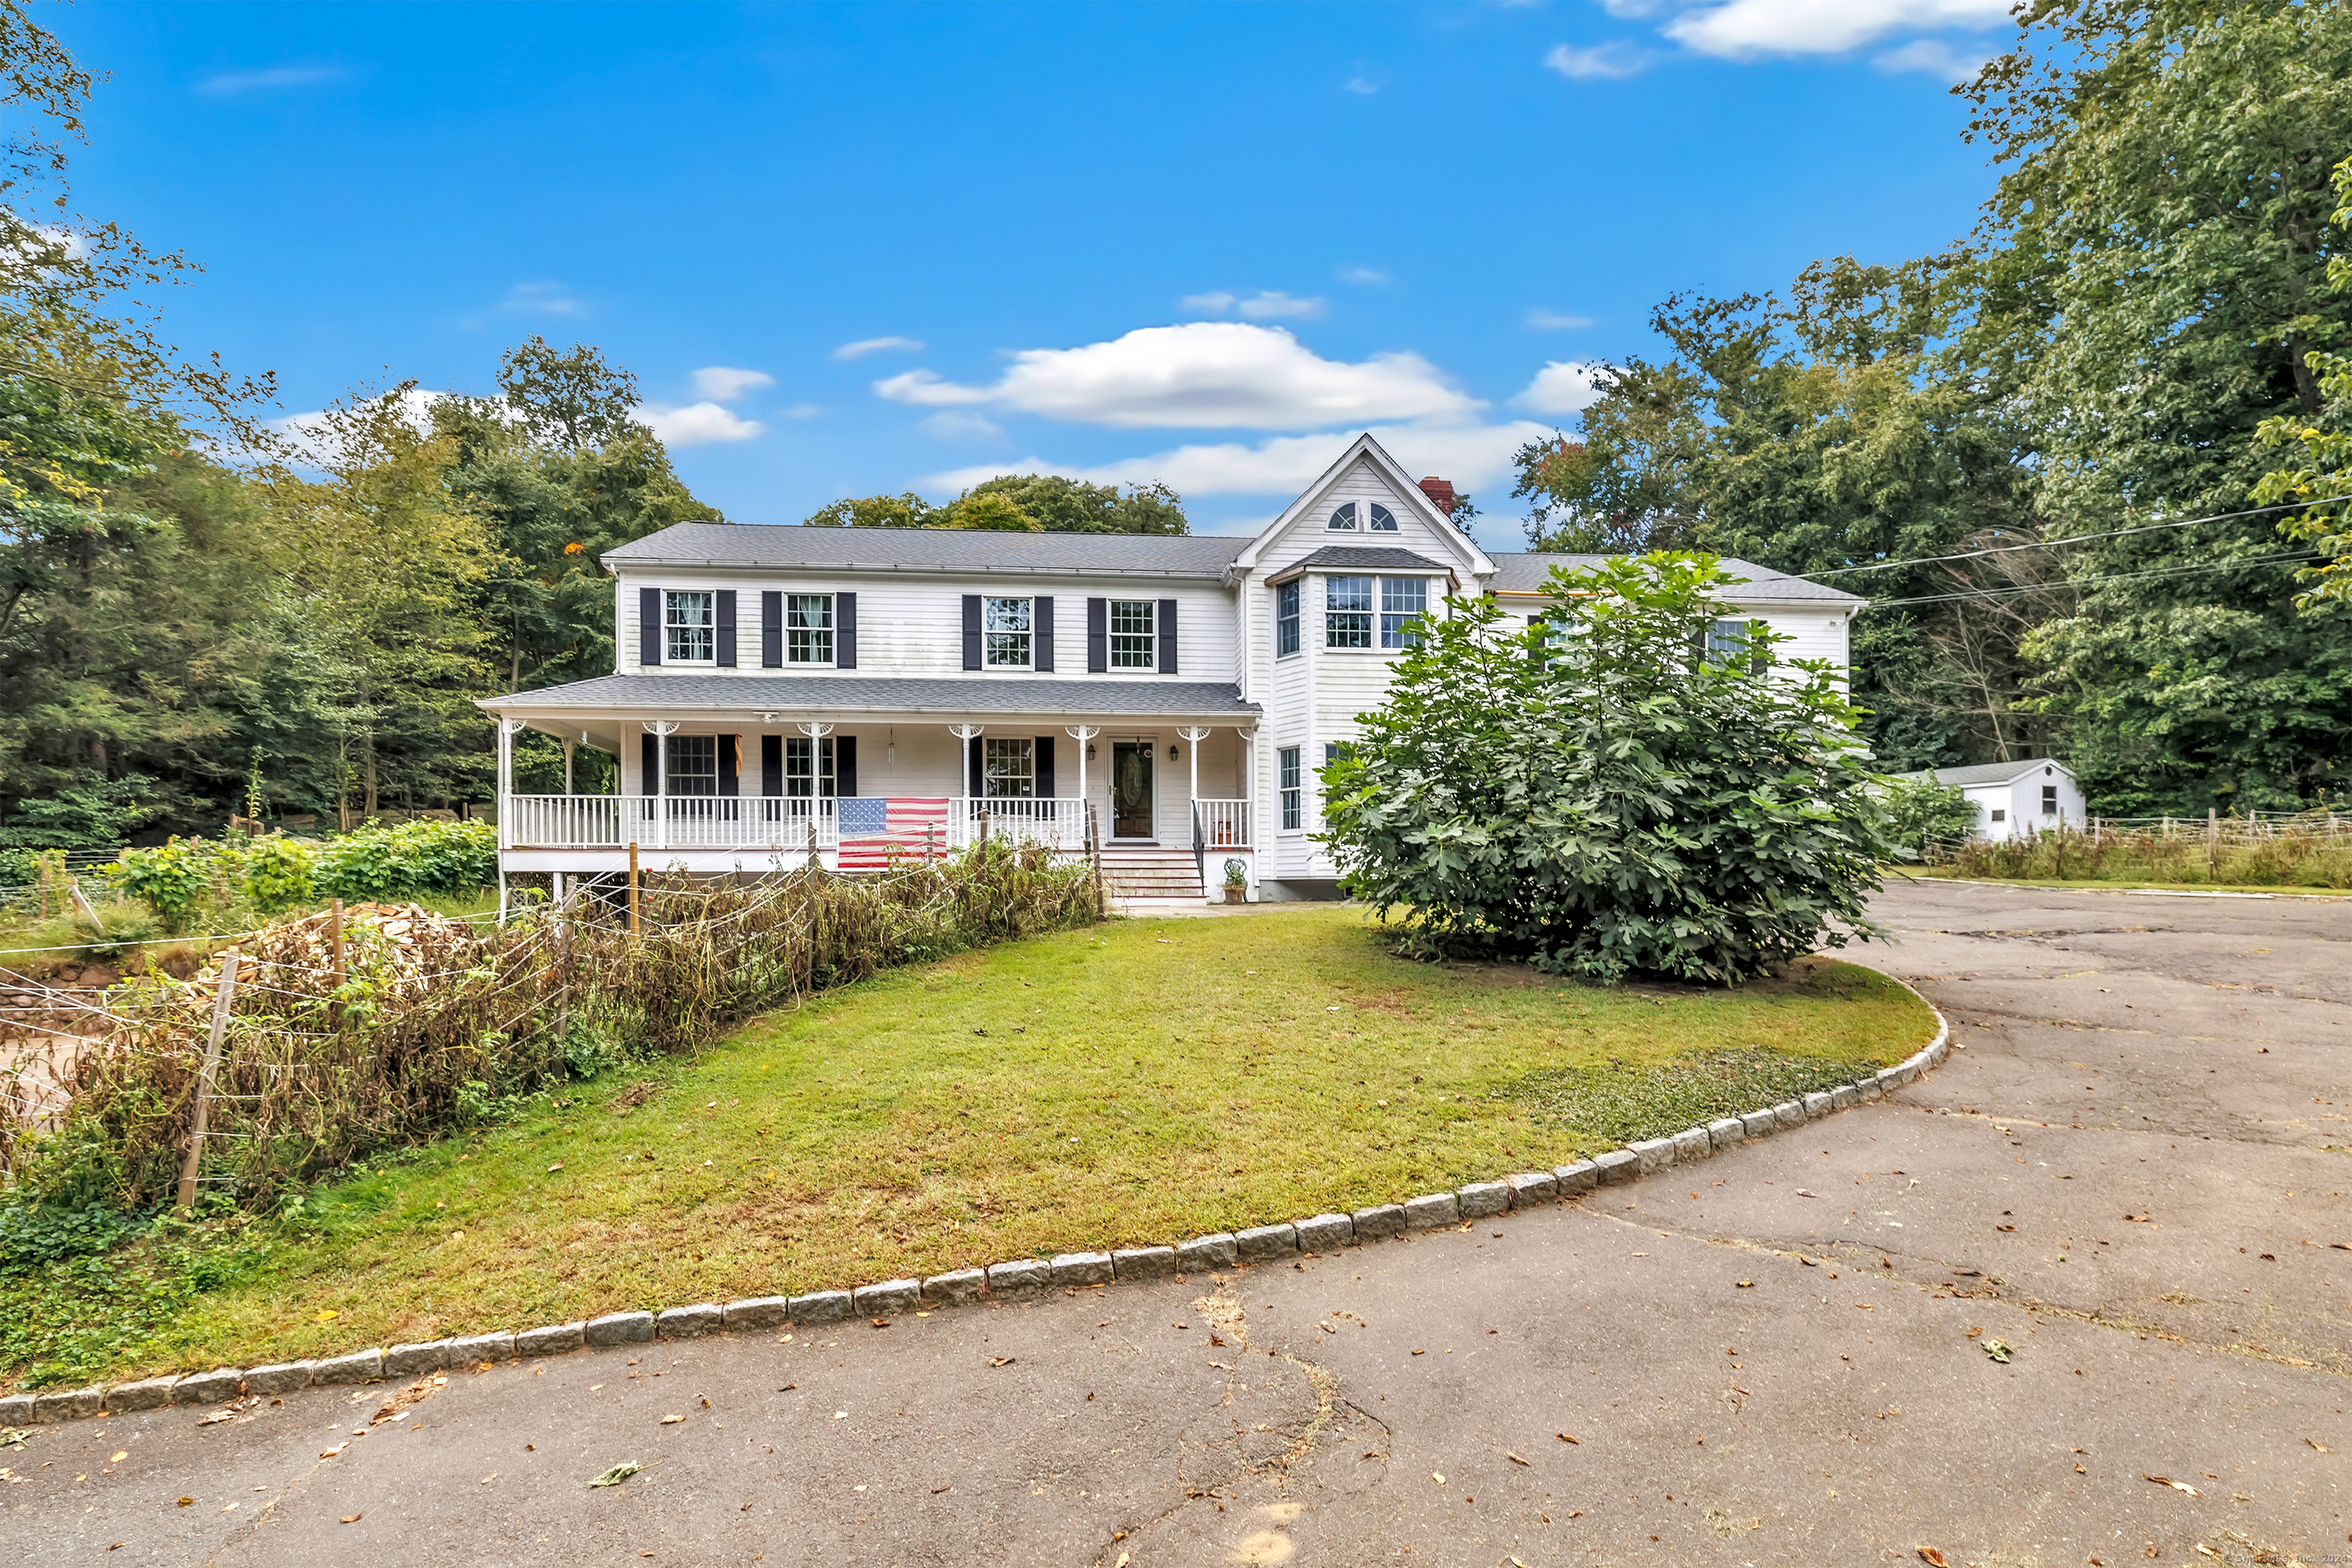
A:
x: 2131, y: 1173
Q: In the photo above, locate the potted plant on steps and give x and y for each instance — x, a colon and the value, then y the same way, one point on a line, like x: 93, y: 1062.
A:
x: 1236, y: 882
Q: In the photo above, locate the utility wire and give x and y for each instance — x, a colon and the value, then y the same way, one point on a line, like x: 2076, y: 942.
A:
x: 2070, y: 539
x: 2094, y: 581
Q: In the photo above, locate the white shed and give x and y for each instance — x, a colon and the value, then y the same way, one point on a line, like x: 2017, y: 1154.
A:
x: 2013, y: 799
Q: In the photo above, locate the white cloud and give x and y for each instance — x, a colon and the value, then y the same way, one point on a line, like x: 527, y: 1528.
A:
x: 1560, y: 387
x: 799, y: 411
x: 722, y: 385
x: 230, y: 83
x: 697, y: 424
x: 310, y: 435
x: 1553, y: 322
x: 1471, y: 455
x: 865, y: 346
x: 957, y: 425
x: 1933, y: 56
x: 1358, y: 84
x: 1266, y: 304
x: 1743, y: 29
x: 1610, y: 61
x: 1201, y: 376
x: 1369, y: 276
x: 543, y: 298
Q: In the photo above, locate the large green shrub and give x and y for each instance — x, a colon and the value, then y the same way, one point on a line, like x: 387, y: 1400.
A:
x: 411, y: 859
x: 1922, y: 814
x: 1604, y: 794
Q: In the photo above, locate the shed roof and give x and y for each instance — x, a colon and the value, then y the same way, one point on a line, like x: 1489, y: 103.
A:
x: 1988, y: 772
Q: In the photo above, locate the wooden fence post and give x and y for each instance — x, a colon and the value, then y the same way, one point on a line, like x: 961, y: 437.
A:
x: 2213, y: 844
x: 632, y: 886
x: 1094, y: 854
x: 221, y: 995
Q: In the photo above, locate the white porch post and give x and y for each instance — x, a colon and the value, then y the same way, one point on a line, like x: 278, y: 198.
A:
x: 567, y: 744
x: 1084, y: 735
x: 1194, y: 735
x: 507, y: 728
x: 661, y: 729
x: 975, y: 786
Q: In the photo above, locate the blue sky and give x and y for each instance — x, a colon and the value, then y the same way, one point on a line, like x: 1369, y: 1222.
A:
x: 861, y: 249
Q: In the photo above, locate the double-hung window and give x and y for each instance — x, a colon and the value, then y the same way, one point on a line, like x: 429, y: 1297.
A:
x: 1726, y: 640
x: 692, y: 765
x: 1286, y: 618
x: 1348, y: 612
x: 1008, y: 769
x: 1004, y: 633
x: 689, y: 628
x: 808, y: 767
x: 1402, y: 599
x: 1287, y: 761
x: 1134, y: 633
x: 808, y: 628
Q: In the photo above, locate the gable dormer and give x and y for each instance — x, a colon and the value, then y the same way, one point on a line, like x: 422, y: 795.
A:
x: 1365, y: 500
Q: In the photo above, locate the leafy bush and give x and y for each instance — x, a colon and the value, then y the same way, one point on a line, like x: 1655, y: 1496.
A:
x: 278, y: 873
x: 1603, y: 794
x: 413, y: 858
x: 1921, y: 812
x: 175, y: 876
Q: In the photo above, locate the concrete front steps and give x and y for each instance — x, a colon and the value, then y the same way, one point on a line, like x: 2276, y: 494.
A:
x: 1140, y: 880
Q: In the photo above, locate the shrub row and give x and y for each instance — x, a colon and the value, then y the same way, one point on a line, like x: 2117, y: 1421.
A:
x: 278, y: 873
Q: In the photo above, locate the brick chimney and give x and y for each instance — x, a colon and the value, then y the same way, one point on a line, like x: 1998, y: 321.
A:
x: 1440, y: 491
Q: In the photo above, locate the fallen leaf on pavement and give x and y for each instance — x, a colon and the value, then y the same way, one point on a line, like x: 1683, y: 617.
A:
x: 2176, y: 1486
x: 186, y: 1501
x: 1002, y: 1360
x: 330, y: 1453
x: 671, y: 1420
x: 1563, y: 1437
x: 351, y: 1519
x: 1997, y: 1349
x: 488, y: 1478
x: 1513, y: 1458
x: 1803, y: 1194
x: 122, y: 1454
x: 2313, y: 1441
x: 217, y: 1416
x: 1438, y: 1479
x: 1744, y: 1284
x: 1930, y: 1555
x: 617, y: 1475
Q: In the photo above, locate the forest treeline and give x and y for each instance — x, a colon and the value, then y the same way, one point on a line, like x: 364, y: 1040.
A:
x: 2123, y: 344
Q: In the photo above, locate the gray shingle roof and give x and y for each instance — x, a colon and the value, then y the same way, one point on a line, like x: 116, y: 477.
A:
x: 1988, y: 772
x: 1360, y: 558
x: 803, y: 695
x: 1525, y: 572
x: 928, y: 549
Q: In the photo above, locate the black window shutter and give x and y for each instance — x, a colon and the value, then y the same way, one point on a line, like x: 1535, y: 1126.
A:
x: 1167, y: 636
x: 974, y: 783
x: 1041, y: 639
x: 1098, y: 635
x: 649, y: 626
x: 845, y: 638
x: 649, y: 762
x: 845, y: 764
x: 1045, y: 766
x: 972, y: 631
x: 771, y: 629
x: 772, y: 764
x: 726, y: 628
x: 730, y: 762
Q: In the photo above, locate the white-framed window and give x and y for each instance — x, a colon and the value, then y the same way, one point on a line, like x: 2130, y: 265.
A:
x: 1287, y: 761
x: 1998, y: 815
x: 691, y: 767
x: 690, y: 626
x: 1383, y: 519
x: 1004, y: 629
x: 1134, y: 633
x: 1008, y: 769
x: 808, y: 628
x: 1727, y: 639
x: 1286, y: 618
x: 808, y: 767
x: 1403, y: 599
x: 1348, y: 612
x: 1344, y: 517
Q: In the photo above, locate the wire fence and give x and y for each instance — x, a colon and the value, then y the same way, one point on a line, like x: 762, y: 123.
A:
x: 2305, y: 848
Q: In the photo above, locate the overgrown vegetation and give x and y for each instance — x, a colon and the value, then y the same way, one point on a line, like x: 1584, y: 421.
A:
x: 441, y: 1025
x: 1621, y: 788
x: 275, y: 873
x: 1922, y: 813
x: 2262, y: 855
x: 1122, y: 1085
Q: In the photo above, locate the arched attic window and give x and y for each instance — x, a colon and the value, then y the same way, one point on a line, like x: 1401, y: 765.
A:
x: 1345, y: 518
x: 1383, y: 519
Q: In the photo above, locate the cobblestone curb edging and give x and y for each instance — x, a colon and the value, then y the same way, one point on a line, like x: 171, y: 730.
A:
x: 1020, y: 1278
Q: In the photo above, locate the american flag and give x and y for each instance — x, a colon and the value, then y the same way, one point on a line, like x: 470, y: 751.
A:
x: 875, y: 830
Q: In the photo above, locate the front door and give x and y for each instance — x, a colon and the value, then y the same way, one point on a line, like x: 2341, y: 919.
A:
x: 1131, y: 789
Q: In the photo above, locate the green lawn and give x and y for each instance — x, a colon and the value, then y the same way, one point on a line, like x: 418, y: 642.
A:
x: 1137, y: 1083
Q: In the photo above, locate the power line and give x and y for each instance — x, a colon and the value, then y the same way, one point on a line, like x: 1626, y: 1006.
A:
x: 2070, y: 539
x: 2094, y: 581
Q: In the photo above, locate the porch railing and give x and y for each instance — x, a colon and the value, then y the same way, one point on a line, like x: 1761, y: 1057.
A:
x: 1057, y: 821
x: 777, y: 823
x: 1221, y: 824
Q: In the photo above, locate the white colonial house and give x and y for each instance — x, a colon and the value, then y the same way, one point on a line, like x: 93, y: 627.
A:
x: 857, y: 694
